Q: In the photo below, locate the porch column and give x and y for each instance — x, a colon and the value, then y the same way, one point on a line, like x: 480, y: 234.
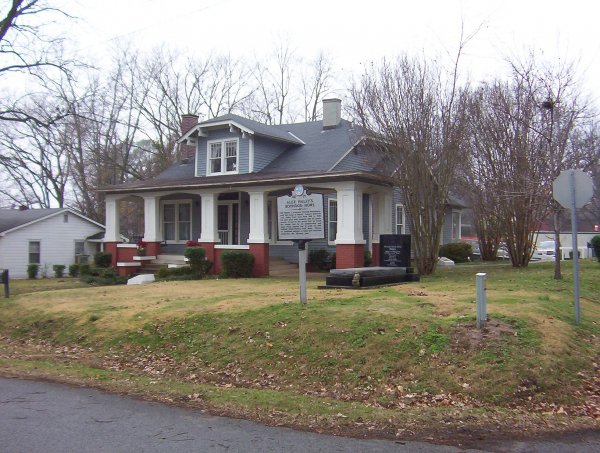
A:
x: 209, y: 234
x: 258, y: 239
x: 152, y: 233
x: 382, y: 220
x: 112, y: 234
x: 349, y: 242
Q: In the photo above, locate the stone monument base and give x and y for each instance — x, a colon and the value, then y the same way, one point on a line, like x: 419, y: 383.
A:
x: 361, y: 277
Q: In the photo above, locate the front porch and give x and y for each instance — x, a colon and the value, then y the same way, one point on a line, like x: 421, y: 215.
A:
x: 245, y: 218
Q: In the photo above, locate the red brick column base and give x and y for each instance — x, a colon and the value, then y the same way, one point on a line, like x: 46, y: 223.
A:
x: 111, y: 247
x: 349, y: 255
x: 261, y: 259
x: 376, y: 255
x: 209, y: 248
x: 153, y: 249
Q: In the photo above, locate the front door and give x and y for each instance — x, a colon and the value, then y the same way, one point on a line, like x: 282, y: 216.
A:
x: 228, y: 216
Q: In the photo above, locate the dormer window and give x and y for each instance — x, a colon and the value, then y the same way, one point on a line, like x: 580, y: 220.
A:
x: 222, y: 157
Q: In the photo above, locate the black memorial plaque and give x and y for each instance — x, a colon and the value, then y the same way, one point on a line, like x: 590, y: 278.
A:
x: 395, y: 250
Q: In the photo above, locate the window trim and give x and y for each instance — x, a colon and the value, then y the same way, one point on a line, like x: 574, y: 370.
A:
x: 329, y: 200
x: 223, y: 142
x: 459, y: 236
x: 39, y: 252
x: 162, y: 220
x: 403, y: 228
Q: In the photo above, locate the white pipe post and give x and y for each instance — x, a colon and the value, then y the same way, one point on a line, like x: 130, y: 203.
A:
x: 302, y: 268
x: 481, y: 300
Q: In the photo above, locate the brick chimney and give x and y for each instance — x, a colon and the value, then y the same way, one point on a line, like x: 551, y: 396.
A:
x: 332, y: 113
x: 188, y: 121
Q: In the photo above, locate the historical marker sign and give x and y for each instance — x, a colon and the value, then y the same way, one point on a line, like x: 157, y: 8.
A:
x: 395, y: 250
x: 300, y: 216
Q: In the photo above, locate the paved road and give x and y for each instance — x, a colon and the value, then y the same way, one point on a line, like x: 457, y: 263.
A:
x: 46, y: 417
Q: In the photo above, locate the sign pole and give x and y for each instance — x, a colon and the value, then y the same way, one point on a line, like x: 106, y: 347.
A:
x: 574, y: 234
x: 573, y: 189
x: 302, y: 269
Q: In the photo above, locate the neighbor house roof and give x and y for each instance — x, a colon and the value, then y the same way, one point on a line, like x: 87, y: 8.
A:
x: 12, y: 219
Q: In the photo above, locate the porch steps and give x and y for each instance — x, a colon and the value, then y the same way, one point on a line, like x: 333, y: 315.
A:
x: 162, y: 261
x: 278, y: 267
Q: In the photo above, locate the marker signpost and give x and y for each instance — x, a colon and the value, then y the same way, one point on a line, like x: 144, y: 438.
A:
x: 300, y: 219
x: 573, y: 189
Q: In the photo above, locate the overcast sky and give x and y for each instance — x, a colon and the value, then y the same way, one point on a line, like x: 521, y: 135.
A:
x: 351, y: 32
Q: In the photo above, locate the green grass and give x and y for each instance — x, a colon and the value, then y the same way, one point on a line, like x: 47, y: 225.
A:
x: 347, y: 345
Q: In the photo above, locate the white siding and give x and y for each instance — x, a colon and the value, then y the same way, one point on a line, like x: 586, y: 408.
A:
x: 57, y: 243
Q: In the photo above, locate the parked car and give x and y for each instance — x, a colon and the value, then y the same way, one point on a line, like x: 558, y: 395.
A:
x: 544, y: 251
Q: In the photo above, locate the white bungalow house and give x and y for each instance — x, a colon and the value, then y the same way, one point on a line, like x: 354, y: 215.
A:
x: 45, y: 237
x: 223, y: 195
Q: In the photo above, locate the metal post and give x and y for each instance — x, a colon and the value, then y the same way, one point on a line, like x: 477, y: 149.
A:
x: 481, y: 300
x: 302, y: 268
x: 4, y: 278
x: 574, y: 246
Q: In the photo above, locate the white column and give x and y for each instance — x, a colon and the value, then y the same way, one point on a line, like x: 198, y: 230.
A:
x: 259, y: 230
x: 112, y: 219
x: 383, y: 214
x: 350, y: 219
x: 152, y: 230
x: 209, y: 216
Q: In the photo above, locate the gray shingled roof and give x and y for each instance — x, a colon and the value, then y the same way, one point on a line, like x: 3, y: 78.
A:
x: 12, y: 218
x: 313, y: 153
x: 265, y: 130
x: 323, y: 148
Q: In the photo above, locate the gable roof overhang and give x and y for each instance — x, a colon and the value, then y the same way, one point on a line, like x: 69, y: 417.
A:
x: 201, y: 130
x: 50, y: 215
x: 248, y: 180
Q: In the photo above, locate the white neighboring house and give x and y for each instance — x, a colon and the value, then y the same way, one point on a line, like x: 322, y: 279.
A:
x: 46, y: 237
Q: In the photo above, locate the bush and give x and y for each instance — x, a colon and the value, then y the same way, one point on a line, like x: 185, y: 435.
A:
x: 368, y: 258
x: 198, y: 262
x: 93, y: 279
x: 237, y: 264
x: 84, y: 269
x: 109, y: 273
x: 59, y: 270
x: 102, y: 259
x: 596, y: 246
x: 32, y: 270
x: 167, y: 273
x: 320, y: 258
x: 333, y: 260
x: 73, y: 270
x: 459, y: 252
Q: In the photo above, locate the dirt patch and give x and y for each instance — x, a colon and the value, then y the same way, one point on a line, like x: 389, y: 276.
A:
x: 467, y: 337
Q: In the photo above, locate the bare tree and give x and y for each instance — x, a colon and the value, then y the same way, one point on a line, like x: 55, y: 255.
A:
x: 520, y: 139
x: 417, y: 114
x: 316, y: 83
x: 271, y: 101
x: 25, y: 50
x: 34, y: 163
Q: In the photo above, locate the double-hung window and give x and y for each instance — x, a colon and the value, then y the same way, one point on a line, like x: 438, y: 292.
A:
x: 222, y: 157
x: 400, y: 219
x: 34, y: 252
x: 332, y: 221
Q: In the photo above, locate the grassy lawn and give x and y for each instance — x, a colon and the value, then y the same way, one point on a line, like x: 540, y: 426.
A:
x: 407, y: 355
